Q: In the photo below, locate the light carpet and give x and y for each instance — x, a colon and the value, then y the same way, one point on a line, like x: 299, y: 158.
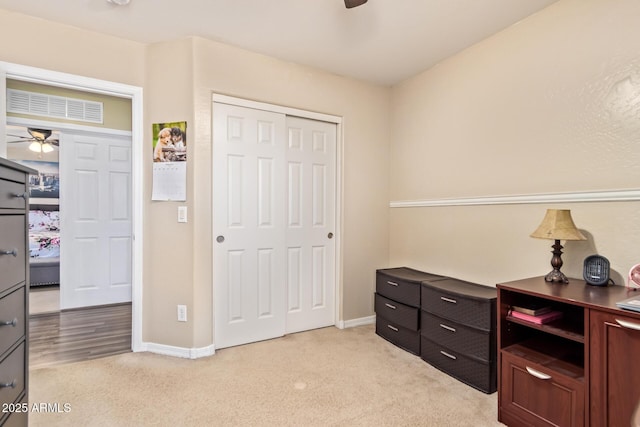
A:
x: 324, y: 377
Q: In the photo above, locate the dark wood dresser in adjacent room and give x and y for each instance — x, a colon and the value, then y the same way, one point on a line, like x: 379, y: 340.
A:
x: 14, y: 293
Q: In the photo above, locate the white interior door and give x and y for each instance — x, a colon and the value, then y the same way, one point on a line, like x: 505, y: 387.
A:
x: 248, y: 225
x: 96, y: 220
x: 311, y: 218
x: 273, y: 224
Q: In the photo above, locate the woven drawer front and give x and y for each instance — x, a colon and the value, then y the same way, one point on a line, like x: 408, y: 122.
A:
x: 477, y: 374
x: 12, y: 319
x: 12, y: 241
x: 12, y: 371
x: 473, y: 312
x: 462, y: 339
x: 399, y: 290
x: 398, y: 313
x: 396, y: 334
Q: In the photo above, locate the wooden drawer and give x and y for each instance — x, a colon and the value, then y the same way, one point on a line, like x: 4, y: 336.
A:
x: 532, y: 394
x: 12, y: 311
x: 460, y: 338
x: 402, y: 337
x: 398, y: 313
x: 474, y: 372
x: 12, y: 372
x: 402, y: 284
x: 12, y: 236
x: 463, y: 302
x: 8, y: 194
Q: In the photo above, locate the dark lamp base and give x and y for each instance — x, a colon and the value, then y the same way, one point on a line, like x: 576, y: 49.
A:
x: 556, y: 276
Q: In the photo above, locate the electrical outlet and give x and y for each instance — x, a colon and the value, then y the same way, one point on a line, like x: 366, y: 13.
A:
x: 182, y: 313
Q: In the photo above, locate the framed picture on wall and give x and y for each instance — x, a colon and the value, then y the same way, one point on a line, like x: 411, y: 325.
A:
x: 44, y: 188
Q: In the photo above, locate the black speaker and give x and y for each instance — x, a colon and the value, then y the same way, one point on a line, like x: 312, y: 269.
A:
x: 596, y: 270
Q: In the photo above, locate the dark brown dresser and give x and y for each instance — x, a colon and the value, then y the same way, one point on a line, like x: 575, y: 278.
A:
x: 458, y: 331
x: 14, y: 293
x: 397, y: 306
x: 577, y: 370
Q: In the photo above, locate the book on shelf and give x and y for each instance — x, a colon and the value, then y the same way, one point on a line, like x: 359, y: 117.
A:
x: 547, y: 317
x: 533, y: 309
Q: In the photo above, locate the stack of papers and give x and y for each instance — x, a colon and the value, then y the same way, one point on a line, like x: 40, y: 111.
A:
x: 632, y: 303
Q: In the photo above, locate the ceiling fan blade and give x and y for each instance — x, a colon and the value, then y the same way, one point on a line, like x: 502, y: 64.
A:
x: 21, y: 140
x: 52, y: 141
x: 354, y: 3
x: 20, y: 136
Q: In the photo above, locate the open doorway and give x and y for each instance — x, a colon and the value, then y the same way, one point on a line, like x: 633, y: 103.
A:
x: 39, y: 149
x: 134, y: 94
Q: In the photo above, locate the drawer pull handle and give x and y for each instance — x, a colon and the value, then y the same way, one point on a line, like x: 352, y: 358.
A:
x: 392, y: 307
x: 13, y: 322
x: 628, y: 325
x: 392, y: 283
x: 538, y: 374
x: 12, y: 384
x: 448, y: 328
x: 21, y: 196
x: 450, y: 356
x: 393, y: 328
x: 13, y: 252
x: 445, y: 299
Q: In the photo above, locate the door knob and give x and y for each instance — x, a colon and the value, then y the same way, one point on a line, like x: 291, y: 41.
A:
x: 330, y: 235
x: 220, y: 239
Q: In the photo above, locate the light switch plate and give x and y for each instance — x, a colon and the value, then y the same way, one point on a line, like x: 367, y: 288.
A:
x: 182, y: 214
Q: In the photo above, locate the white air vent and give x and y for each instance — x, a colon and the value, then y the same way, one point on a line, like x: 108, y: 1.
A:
x: 38, y: 104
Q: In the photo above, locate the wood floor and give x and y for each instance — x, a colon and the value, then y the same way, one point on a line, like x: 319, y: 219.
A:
x: 79, y: 334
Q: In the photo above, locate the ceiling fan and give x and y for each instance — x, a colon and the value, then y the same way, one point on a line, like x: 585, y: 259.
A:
x: 41, y: 141
x: 354, y: 3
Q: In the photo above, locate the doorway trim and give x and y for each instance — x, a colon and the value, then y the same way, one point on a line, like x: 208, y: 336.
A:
x: 134, y: 93
x: 306, y: 114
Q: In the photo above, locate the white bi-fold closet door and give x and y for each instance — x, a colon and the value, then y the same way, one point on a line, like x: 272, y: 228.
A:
x: 274, y: 218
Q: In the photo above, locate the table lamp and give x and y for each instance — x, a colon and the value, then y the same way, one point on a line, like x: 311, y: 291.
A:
x: 557, y: 225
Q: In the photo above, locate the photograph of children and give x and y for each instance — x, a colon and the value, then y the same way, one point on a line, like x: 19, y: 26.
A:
x: 170, y: 142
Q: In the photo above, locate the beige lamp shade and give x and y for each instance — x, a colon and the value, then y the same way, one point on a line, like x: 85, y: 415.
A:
x: 557, y: 224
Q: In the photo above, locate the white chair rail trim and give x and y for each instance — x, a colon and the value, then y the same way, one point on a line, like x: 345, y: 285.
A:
x: 575, y: 197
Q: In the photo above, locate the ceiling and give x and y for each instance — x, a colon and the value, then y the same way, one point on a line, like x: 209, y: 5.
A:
x: 382, y: 41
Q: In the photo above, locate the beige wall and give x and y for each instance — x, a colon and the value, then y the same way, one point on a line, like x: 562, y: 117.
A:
x: 168, y: 246
x: 207, y: 67
x: 39, y: 43
x: 549, y: 105
x: 181, y: 89
x: 522, y: 112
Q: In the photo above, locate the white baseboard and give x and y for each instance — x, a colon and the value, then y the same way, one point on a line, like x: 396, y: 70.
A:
x: 343, y: 324
x: 196, y: 353
x: 185, y: 353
